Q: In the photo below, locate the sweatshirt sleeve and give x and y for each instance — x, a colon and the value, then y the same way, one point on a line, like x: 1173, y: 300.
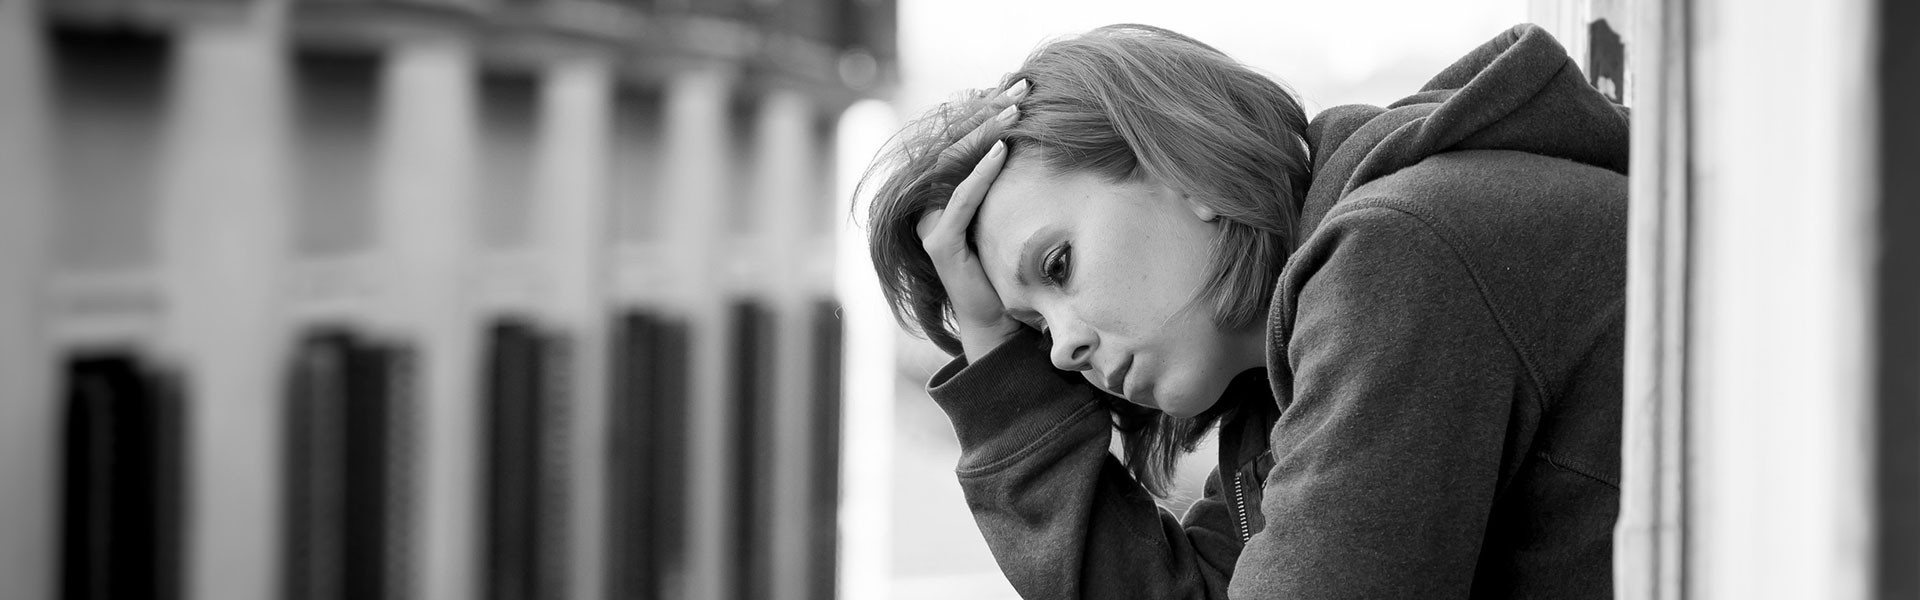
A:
x: 1064, y: 518
x: 1390, y: 447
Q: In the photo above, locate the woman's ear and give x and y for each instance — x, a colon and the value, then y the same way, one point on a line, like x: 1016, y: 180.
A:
x: 1200, y: 208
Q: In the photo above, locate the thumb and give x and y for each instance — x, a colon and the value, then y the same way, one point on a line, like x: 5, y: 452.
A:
x: 928, y: 222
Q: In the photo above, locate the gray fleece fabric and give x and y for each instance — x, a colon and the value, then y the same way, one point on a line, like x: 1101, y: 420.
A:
x: 1441, y: 414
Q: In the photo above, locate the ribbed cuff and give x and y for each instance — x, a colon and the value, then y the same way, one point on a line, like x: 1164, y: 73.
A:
x: 1009, y: 400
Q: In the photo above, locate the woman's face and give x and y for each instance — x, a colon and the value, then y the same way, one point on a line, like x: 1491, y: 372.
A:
x: 1111, y: 270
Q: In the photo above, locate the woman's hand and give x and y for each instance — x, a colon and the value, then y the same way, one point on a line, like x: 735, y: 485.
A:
x: 978, y: 314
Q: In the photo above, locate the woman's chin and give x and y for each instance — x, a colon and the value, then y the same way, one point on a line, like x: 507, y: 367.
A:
x: 1175, y: 405
x: 1181, y: 403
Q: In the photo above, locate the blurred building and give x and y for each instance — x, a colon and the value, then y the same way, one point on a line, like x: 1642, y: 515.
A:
x: 423, y: 298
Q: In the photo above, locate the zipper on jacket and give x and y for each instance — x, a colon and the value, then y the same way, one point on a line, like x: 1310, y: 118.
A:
x: 1240, y: 506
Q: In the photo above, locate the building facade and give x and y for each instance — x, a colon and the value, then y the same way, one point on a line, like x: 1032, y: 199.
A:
x: 424, y: 298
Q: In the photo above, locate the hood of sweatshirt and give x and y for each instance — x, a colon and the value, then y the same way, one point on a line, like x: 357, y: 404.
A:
x: 1519, y: 91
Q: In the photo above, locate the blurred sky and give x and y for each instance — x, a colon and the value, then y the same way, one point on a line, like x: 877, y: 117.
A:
x: 1332, y: 52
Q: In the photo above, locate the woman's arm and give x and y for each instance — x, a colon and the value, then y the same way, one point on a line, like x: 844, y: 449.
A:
x: 1063, y: 517
x: 1404, y: 401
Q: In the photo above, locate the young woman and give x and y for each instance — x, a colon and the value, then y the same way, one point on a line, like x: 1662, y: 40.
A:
x: 1404, y: 321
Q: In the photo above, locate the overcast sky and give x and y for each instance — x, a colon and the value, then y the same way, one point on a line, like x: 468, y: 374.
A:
x: 1330, y: 51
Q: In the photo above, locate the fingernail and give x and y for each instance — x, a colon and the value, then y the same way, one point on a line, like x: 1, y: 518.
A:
x: 1019, y: 88
x: 1006, y: 114
x: 999, y: 148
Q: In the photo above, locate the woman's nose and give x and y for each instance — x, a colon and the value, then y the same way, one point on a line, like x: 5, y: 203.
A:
x: 1072, y: 346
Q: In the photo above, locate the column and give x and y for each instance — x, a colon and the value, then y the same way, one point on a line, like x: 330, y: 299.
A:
x: 29, y: 418
x: 570, y: 192
x: 425, y: 222
x: 1782, y: 247
x: 223, y: 240
x: 783, y: 193
x: 1649, y: 539
x: 694, y: 192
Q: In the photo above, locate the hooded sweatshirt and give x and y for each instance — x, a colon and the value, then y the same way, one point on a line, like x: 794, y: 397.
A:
x: 1441, y: 414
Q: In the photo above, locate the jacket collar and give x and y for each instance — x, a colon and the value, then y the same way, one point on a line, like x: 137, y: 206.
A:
x: 1244, y: 429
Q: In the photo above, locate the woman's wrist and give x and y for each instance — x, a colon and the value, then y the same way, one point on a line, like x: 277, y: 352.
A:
x: 1010, y: 398
x: 976, y: 342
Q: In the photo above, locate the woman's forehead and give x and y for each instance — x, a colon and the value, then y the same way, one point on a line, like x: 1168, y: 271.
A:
x: 1028, y: 197
x: 1023, y: 200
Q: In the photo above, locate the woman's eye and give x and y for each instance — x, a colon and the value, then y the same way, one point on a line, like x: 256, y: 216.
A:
x: 1057, y: 266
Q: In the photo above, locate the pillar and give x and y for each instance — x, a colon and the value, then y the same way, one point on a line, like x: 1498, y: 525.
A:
x: 571, y: 208
x: 29, y: 446
x: 424, y: 218
x: 694, y: 193
x: 223, y: 241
